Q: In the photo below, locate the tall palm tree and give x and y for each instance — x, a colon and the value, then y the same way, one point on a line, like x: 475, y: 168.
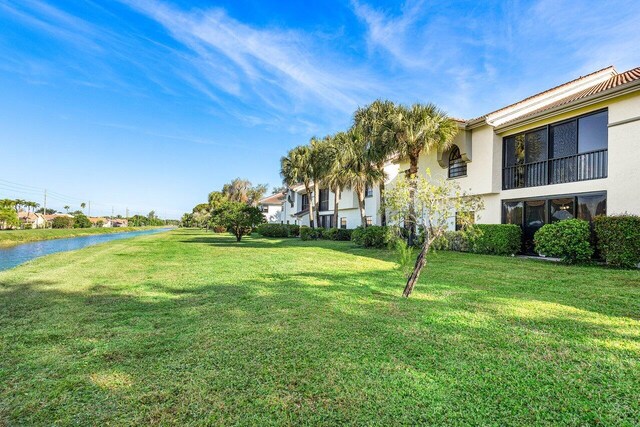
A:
x: 360, y: 171
x: 319, y: 167
x: 66, y: 208
x: 295, y: 168
x: 336, y: 175
x: 415, y: 130
x: 373, y: 121
x: 83, y: 205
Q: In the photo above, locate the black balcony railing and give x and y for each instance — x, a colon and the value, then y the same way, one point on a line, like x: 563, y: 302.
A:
x: 579, y: 167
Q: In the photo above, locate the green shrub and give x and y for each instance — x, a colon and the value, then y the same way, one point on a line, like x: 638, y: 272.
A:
x: 27, y: 226
x: 62, y: 222
x: 458, y: 241
x: 618, y: 239
x: 374, y: 236
x: 308, y: 233
x: 279, y: 230
x: 568, y: 240
x: 294, y: 230
x: 274, y: 230
x: 341, y: 234
x: 405, y: 258
x: 81, y: 221
x: 496, y: 239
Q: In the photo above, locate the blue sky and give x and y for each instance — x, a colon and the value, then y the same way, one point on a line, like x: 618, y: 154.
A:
x: 152, y: 104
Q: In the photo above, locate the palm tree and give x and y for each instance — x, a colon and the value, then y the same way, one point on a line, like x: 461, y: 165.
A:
x: 320, y: 166
x: 415, y: 130
x: 360, y: 171
x: 83, y: 205
x: 372, y: 121
x: 336, y: 175
x: 295, y: 168
x: 66, y: 208
x: 19, y: 203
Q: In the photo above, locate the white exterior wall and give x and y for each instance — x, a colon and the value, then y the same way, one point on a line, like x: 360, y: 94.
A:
x: 273, y: 213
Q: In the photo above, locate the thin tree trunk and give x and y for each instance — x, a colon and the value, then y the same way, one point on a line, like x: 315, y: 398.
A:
x: 383, y: 209
x: 316, y: 201
x: 311, y: 223
x: 413, y: 173
x: 363, y: 219
x: 421, y: 261
x: 336, y: 198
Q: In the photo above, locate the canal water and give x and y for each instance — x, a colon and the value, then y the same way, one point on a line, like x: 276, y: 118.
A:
x: 16, y: 255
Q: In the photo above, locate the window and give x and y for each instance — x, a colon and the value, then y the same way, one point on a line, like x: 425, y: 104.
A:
x: 463, y: 219
x: 368, y: 220
x: 561, y: 209
x: 305, y: 202
x: 343, y: 222
x: 324, y: 200
x: 457, y: 166
x: 592, y: 132
x: 326, y: 221
x: 592, y: 205
x: 512, y: 213
x: 264, y: 208
x: 531, y: 214
x: 568, y: 151
x: 368, y: 191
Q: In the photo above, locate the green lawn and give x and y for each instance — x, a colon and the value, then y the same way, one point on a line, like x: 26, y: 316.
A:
x: 16, y: 237
x: 188, y: 328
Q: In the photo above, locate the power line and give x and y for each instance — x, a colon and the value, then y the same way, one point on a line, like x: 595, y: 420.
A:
x: 38, y: 192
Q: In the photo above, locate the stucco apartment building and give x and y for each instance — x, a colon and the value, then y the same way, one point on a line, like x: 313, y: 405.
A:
x: 570, y: 151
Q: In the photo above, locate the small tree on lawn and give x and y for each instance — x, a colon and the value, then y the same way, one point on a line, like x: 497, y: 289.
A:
x: 238, y: 217
x: 436, y: 203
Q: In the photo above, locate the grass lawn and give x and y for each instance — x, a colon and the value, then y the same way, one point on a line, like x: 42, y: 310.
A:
x: 16, y: 237
x: 188, y: 328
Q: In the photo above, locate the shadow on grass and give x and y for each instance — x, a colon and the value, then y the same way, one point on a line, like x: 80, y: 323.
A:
x: 332, y: 347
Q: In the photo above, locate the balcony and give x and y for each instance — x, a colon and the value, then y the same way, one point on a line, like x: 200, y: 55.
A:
x: 578, y: 167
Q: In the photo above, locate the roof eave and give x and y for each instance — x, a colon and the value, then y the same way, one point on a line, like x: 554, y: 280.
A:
x: 579, y: 103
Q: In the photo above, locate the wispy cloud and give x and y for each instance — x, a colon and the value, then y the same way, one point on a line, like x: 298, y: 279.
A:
x: 283, y: 70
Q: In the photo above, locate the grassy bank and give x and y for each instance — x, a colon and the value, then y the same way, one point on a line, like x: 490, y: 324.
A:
x: 16, y: 237
x: 188, y: 328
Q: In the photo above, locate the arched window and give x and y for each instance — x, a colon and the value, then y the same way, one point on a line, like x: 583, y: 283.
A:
x: 457, y: 166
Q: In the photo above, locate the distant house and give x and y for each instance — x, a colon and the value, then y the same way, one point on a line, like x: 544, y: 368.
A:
x: 35, y: 220
x: 271, y: 206
x: 119, y: 222
x: 99, y: 222
x: 49, y: 218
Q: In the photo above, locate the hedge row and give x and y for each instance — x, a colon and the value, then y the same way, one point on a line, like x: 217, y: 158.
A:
x: 343, y: 234
x: 374, y: 236
x: 618, y: 239
x: 278, y: 230
x: 490, y: 239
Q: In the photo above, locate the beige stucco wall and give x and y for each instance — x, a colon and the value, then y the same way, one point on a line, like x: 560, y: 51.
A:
x: 483, y: 147
x: 623, y: 172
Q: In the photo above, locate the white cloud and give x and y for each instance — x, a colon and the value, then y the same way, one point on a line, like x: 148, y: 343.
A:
x: 284, y: 70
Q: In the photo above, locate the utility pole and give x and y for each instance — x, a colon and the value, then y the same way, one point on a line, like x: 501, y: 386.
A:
x: 89, y: 207
x: 127, y: 216
x: 45, y: 202
x: 112, y: 213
